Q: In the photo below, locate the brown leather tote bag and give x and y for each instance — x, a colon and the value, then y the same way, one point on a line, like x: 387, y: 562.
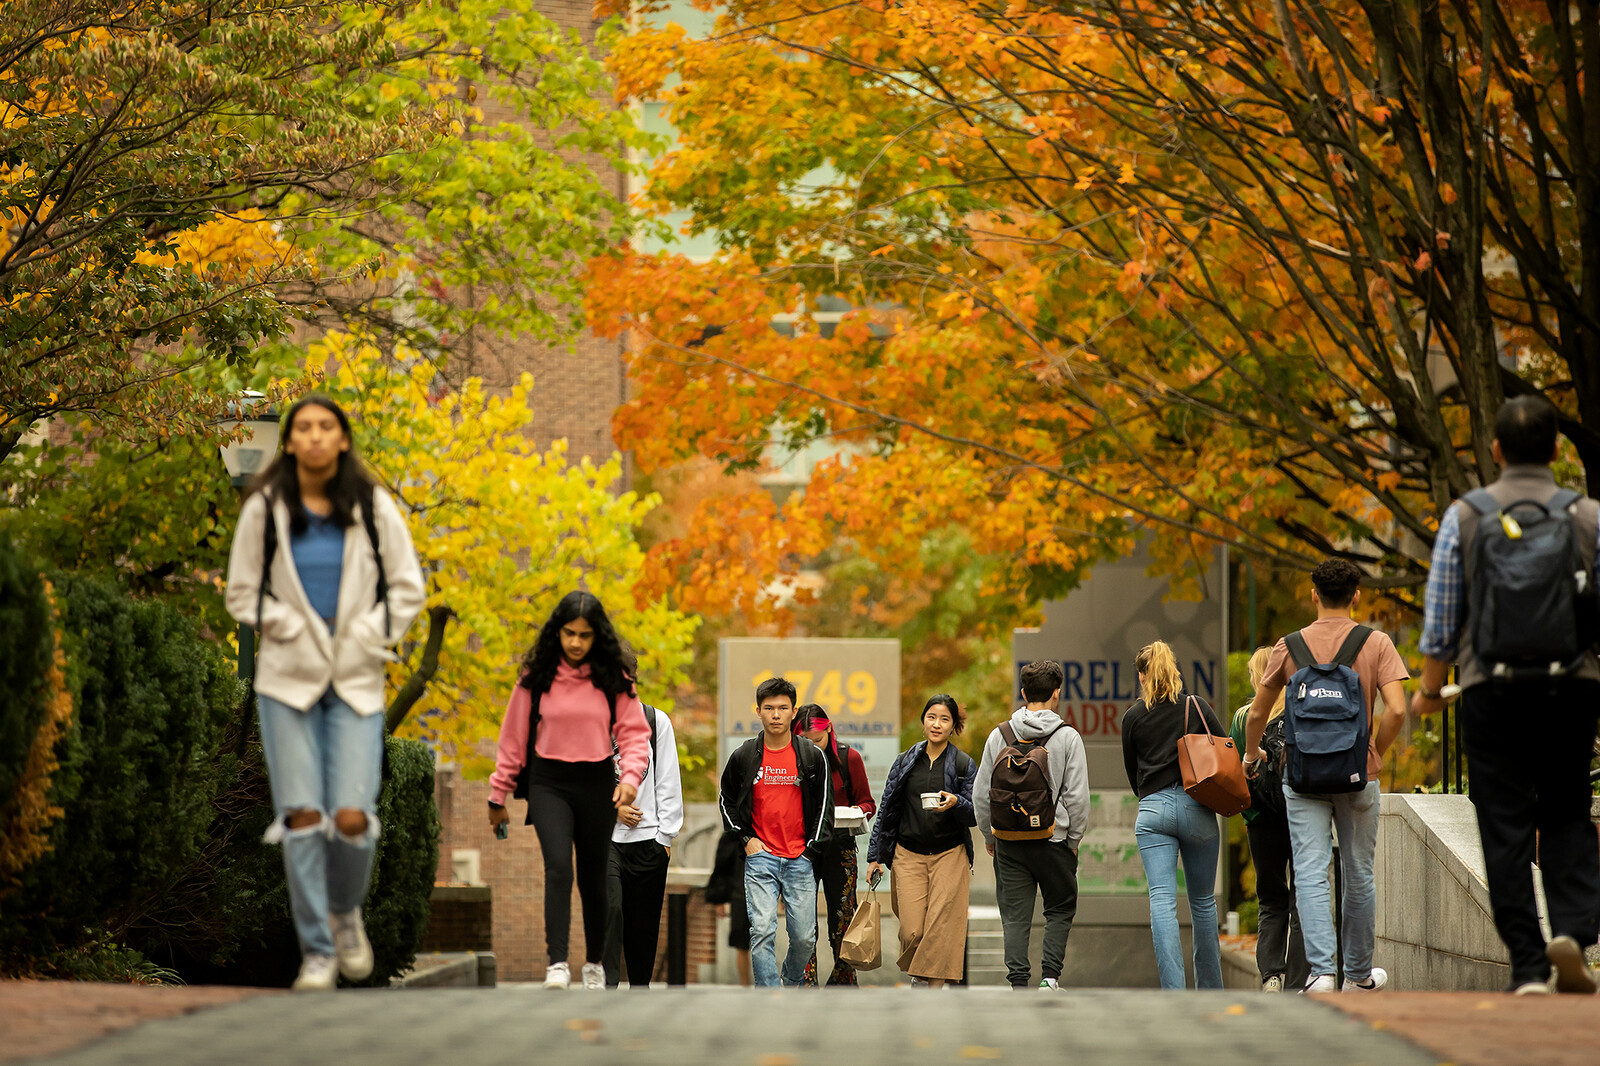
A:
x: 1212, y: 771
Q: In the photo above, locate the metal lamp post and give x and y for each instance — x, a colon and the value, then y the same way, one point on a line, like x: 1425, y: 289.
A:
x: 245, y: 456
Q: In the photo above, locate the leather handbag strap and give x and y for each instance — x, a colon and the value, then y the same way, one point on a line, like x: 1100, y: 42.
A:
x: 1187, y: 703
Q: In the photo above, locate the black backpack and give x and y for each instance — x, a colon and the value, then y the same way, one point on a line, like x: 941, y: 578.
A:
x: 1531, y: 592
x: 1327, y: 723
x: 1266, y: 788
x: 269, y: 549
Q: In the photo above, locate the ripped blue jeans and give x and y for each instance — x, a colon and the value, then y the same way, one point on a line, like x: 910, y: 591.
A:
x: 326, y: 759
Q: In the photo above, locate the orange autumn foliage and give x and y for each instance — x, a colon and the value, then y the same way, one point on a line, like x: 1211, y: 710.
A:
x: 1204, y: 274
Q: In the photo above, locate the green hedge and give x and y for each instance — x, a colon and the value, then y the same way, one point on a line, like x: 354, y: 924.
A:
x: 408, y: 860
x: 139, y: 768
x: 26, y: 647
x: 159, y: 848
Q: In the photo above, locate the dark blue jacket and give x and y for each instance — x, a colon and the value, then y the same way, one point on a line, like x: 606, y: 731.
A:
x: 960, y: 771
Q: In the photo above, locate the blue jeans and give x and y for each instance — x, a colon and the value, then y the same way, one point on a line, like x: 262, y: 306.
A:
x: 766, y: 878
x: 1311, y: 821
x: 325, y: 760
x: 1171, y: 824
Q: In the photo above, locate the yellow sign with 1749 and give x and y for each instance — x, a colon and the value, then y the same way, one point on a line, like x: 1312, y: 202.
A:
x: 856, y: 681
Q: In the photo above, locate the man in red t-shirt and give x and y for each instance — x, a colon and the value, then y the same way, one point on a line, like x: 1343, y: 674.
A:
x: 776, y: 795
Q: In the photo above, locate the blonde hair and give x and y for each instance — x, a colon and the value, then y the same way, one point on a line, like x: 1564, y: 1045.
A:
x: 1159, y: 680
x: 1258, y: 670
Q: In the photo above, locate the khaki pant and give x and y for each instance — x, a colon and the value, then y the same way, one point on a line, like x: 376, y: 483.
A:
x: 929, y: 897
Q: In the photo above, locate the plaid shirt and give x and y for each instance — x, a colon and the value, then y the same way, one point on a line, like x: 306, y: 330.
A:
x: 1441, y: 625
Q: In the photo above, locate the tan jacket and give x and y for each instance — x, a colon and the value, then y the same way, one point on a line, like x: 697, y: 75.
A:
x: 297, y: 659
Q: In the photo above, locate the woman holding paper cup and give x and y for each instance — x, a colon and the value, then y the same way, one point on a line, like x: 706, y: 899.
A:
x: 835, y: 860
x: 924, y: 833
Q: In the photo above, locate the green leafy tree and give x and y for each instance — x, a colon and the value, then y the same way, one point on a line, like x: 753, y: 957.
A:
x: 142, y: 146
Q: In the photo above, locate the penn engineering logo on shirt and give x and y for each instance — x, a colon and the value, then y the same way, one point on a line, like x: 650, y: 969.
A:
x: 776, y: 777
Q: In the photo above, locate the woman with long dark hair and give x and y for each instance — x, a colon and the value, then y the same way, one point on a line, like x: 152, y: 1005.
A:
x: 322, y: 566
x: 835, y: 861
x: 573, y: 703
x: 924, y: 833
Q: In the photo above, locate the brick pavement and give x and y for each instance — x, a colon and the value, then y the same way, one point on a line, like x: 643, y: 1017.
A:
x: 49, y: 1017
x: 736, y: 1027
x: 1477, y: 1029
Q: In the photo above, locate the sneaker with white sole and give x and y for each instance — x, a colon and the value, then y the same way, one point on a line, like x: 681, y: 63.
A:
x: 594, y: 976
x: 1376, y: 983
x: 1049, y: 984
x: 318, y: 973
x: 920, y: 982
x: 1532, y: 988
x: 1573, y: 975
x: 351, y: 943
x: 1323, y: 982
x: 1273, y: 983
x: 557, y: 976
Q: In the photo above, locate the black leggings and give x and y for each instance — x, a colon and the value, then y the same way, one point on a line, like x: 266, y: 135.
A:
x: 569, y: 806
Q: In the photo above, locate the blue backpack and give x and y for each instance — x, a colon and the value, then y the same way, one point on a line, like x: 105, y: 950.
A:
x: 1325, y: 721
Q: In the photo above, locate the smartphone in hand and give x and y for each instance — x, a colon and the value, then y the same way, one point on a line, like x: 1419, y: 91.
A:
x: 500, y: 831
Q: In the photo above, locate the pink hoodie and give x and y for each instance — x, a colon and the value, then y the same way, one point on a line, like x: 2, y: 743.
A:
x: 572, y: 728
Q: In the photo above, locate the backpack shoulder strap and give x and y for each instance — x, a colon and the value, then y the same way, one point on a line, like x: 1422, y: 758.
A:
x: 370, y: 521
x: 1008, y: 734
x: 1563, y: 499
x: 1482, y: 501
x: 269, y: 549
x: 1352, y: 646
x: 1299, y: 650
x: 650, y: 714
x: 1046, y: 738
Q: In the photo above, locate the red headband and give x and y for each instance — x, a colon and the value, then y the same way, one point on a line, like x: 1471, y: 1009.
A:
x: 819, y: 720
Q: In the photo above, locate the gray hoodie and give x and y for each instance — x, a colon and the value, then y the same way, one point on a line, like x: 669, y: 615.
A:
x: 1069, y: 774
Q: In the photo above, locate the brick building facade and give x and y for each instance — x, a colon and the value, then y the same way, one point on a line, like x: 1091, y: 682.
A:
x: 575, y: 390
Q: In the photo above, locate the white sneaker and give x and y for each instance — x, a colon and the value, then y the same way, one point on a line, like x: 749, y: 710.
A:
x: 1323, y: 982
x: 1273, y: 983
x: 557, y: 976
x: 350, y: 941
x: 1049, y: 984
x: 1376, y: 983
x: 1572, y: 970
x: 594, y: 976
x: 1533, y: 988
x: 318, y: 973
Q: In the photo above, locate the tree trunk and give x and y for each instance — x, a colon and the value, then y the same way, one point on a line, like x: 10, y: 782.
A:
x: 410, y: 692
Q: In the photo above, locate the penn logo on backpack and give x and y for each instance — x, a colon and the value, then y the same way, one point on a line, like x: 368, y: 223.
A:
x: 1325, y: 721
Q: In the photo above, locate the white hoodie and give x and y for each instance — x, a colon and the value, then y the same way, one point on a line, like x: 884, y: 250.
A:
x: 1068, y: 767
x: 660, y: 799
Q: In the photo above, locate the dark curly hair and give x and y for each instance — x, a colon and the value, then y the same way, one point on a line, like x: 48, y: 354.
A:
x: 1336, y: 582
x: 606, y: 671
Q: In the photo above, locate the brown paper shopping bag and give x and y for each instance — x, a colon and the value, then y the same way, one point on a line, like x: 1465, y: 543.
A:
x: 863, y: 940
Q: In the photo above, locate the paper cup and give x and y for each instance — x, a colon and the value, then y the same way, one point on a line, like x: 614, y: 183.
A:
x: 930, y: 801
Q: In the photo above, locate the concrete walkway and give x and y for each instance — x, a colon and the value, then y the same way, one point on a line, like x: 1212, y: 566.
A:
x: 735, y: 1027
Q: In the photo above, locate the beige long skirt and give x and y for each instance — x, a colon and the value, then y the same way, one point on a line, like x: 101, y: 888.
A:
x: 930, y: 898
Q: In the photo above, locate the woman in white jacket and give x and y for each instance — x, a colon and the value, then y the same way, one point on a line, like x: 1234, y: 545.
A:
x: 322, y: 566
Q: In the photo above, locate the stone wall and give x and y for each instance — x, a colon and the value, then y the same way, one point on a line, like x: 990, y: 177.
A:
x: 1435, y: 928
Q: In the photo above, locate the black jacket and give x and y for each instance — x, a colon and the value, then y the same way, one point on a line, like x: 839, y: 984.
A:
x: 960, y: 771
x: 816, y: 790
